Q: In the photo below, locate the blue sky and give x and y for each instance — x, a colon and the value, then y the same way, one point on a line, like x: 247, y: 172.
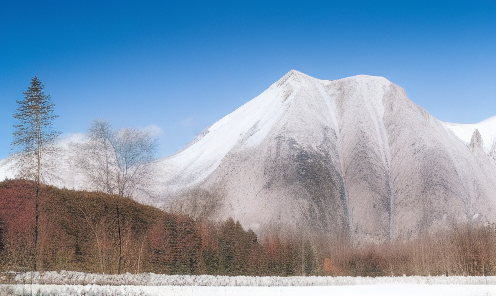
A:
x: 183, y: 65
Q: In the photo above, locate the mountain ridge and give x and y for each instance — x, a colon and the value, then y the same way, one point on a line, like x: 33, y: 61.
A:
x: 341, y: 156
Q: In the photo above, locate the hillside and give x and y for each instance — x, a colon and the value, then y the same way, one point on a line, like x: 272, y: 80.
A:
x: 79, y: 231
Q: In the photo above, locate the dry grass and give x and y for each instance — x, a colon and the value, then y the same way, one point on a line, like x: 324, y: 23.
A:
x: 464, y: 250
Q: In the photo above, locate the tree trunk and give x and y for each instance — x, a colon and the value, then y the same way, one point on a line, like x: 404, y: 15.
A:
x: 302, y: 258
x: 36, y: 228
x: 119, y: 270
x: 38, y: 179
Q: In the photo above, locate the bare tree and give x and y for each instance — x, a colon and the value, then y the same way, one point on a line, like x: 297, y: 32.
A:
x: 97, y: 157
x: 33, y: 141
x: 118, y: 162
x: 135, y: 152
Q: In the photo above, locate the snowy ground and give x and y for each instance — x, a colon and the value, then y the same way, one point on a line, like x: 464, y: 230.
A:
x: 150, y: 279
x: 380, y: 289
x: 77, y: 283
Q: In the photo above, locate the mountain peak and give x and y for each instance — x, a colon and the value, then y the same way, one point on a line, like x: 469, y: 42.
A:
x: 294, y: 72
x: 378, y: 80
x: 292, y: 77
x: 295, y: 77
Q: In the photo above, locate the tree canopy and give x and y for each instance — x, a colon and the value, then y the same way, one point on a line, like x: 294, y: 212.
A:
x: 34, y: 135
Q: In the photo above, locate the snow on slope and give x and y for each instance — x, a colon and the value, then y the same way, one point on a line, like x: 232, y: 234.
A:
x: 66, y: 175
x: 248, y: 125
x: 349, y: 155
x: 201, y: 158
x: 4, y: 170
x: 487, y: 130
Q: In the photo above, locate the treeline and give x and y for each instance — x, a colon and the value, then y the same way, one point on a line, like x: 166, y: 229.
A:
x: 464, y: 250
x: 78, y: 231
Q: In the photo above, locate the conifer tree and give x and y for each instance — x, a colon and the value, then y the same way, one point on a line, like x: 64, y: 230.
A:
x: 34, y: 136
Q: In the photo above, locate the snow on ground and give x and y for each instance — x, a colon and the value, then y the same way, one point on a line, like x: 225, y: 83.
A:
x: 396, y: 289
x: 150, y: 279
x: 78, y: 283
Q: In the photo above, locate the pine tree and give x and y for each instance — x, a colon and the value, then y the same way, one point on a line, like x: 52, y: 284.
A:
x: 35, y: 136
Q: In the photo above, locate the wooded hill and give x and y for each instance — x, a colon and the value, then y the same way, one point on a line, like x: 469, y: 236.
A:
x: 79, y: 231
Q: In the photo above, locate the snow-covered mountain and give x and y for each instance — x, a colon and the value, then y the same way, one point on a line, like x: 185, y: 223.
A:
x: 353, y: 155
x: 340, y: 158
x: 60, y: 169
x: 487, y: 131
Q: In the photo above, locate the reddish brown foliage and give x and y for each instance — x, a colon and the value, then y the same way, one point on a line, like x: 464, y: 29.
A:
x: 329, y: 267
x: 78, y: 231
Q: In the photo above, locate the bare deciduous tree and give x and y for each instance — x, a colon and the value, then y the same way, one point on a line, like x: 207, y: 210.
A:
x: 118, y: 162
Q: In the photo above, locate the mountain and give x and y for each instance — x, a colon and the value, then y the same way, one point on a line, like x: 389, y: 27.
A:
x: 346, y: 157
x: 487, y: 132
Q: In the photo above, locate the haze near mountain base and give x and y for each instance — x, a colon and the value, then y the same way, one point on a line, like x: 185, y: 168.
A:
x: 349, y: 158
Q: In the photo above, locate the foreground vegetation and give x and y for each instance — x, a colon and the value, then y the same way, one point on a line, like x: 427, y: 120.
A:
x: 78, y: 231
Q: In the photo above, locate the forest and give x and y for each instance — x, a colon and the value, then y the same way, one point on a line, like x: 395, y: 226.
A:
x: 103, y: 233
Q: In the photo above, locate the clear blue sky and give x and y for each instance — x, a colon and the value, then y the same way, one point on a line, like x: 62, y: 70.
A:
x: 183, y: 65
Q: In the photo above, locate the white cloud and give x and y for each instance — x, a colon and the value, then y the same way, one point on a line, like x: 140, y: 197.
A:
x: 154, y: 130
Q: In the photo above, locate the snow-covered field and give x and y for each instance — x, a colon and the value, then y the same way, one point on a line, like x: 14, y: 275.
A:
x: 380, y: 289
x: 78, y: 283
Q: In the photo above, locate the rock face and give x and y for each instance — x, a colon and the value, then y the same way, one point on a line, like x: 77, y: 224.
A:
x: 346, y: 157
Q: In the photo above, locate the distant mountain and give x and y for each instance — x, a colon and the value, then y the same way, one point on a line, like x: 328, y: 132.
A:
x: 337, y: 158
x: 350, y: 156
x: 487, y: 131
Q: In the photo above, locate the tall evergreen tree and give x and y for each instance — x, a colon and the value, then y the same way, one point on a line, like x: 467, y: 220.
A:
x: 34, y: 135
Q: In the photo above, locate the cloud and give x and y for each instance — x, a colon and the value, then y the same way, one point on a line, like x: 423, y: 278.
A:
x: 154, y: 130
